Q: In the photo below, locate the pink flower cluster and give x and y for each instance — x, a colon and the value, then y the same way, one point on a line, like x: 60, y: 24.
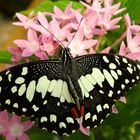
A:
x: 98, y: 19
x: 13, y: 128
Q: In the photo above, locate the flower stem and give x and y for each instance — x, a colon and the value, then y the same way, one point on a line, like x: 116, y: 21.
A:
x: 118, y: 40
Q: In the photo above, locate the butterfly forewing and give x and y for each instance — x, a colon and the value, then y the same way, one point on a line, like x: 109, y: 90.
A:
x: 39, y: 90
x: 104, y: 78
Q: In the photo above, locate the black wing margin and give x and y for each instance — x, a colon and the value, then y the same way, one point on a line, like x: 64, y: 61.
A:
x: 28, y: 89
x: 104, y: 78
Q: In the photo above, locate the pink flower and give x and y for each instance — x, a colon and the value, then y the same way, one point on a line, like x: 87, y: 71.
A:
x: 124, y: 51
x: 67, y: 15
x: 16, y: 54
x: 30, y: 46
x: 132, y: 27
x: 25, y: 21
x: 3, y: 122
x: 79, y: 45
x: 133, y: 43
x: 84, y: 130
x: 49, y: 45
x: 16, y: 129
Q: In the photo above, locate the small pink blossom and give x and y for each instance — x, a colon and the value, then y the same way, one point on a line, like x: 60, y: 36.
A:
x: 25, y: 21
x: 49, y: 45
x: 124, y: 51
x: 67, y: 15
x: 84, y: 130
x: 30, y: 46
x: 79, y: 45
x: 114, y: 110
x: 133, y: 43
x: 3, y: 122
x: 122, y: 99
x: 16, y: 54
x: 16, y: 129
x: 132, y: 27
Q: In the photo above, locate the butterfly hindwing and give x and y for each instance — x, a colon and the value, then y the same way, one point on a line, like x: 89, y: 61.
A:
x: 39, y: 90
x: 104, y: 78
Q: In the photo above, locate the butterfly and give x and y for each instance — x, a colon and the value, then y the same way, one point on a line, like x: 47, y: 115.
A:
x: 62, y: 94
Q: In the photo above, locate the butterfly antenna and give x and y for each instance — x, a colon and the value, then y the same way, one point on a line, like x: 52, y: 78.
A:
x: 75, y: 32
x: 52, y: 35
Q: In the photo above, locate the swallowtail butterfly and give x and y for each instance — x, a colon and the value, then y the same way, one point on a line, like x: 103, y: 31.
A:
x: 61, y: 94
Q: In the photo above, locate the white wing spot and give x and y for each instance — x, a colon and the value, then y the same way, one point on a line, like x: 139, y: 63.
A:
x: 114, y: 74
x: 112, y: 66
x: 118, y: 91
x: 70, y: 120
x: 101, y: 91
x: 130, y: 70
x: 124, y: 60
x: 15, y: 105
x: 30, y: 90
x: 108, y: 77
x: 55, y: 132
x: 24, y: 71
x: 98, y: 76
x: 122, y: 86
x: 94, y: 118
x: 52, y: 85
x: 126, y: 81
x: 35, y: 108
x: 7, y: 72
x: 87, y: 116
x: 24, y: 109
x: 58, y: 103
x: 90, y: 79
x: 117, y: 61
x: 14, y: 89
x: 9, y: 77
x: 65, y: 93
x: 22, y: 89
x: 88, y: 86
x: 43, y: 85
x: 101, y: 121
x: 137, y: 77
x: 8, y: 102
x: 119, y: 72
x: 45, y: 102
x: 57, y: 89
x: 19, y: 80
x: 105, y: 59
x: 53, y: 118
x: 138, y: 66
x: 0, y: 78
x: 62, y: 124
x: 110, y: 93
x: 43, y: 119
x: 98, y: 108
x: 106, y: 106
x: 133, y: 80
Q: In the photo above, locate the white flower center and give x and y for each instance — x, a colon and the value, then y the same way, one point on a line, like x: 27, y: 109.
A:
x: 34, y: 46
x: 16, y: 130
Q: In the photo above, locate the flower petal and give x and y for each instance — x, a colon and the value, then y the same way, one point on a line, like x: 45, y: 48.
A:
x: 26, y: 125
x: 84, y: 130
x: 10, y: 137
x: 23, y: 137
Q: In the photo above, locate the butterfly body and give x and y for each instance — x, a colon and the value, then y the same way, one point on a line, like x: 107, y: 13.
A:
x: 63, y: 94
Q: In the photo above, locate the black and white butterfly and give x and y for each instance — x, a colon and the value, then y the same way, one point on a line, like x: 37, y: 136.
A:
x: 61, y: 94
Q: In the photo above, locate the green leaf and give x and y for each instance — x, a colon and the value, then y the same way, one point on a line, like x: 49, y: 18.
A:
x: 5, y: 57
x: 48, y: 6
x: 133, y: 8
